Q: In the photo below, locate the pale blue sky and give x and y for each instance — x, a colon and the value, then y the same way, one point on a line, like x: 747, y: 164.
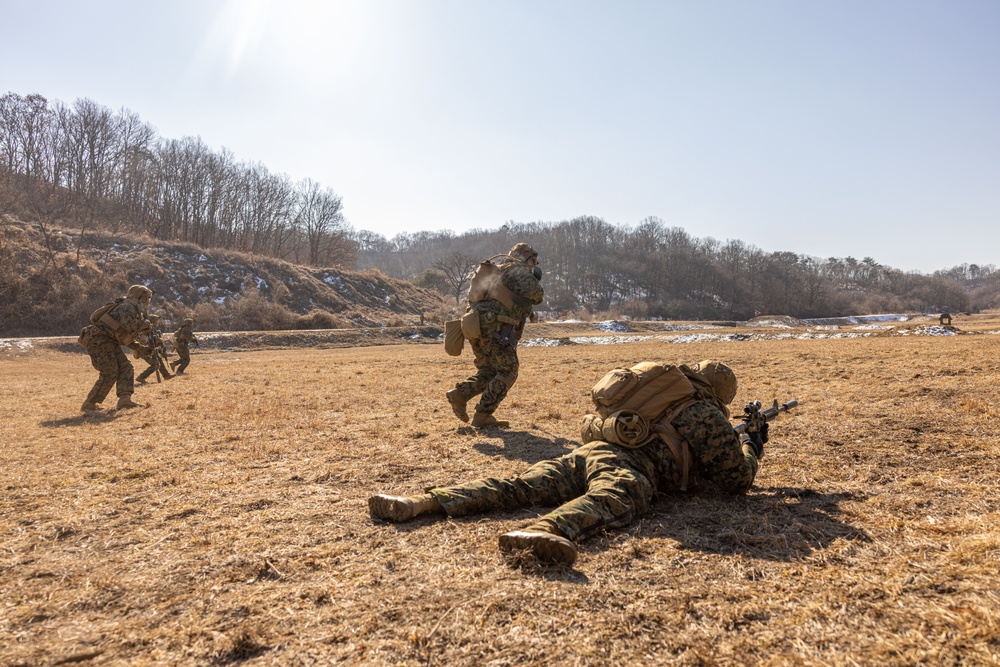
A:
x: 861, y: 128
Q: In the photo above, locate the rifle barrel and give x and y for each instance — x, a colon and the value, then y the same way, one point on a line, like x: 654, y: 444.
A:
x: 769, y: 413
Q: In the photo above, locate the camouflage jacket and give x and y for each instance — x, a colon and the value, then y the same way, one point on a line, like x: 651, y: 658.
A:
x: 131, y: 321
x: 183, y: 336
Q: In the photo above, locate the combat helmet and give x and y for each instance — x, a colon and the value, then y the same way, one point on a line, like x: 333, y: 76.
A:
x: 720, y: 376
x: 523, y: 252
x: 137, y: 292
x: 188, y: 322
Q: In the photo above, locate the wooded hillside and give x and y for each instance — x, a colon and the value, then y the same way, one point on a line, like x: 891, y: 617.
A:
x: 87, y: 168
x: 51, y: 279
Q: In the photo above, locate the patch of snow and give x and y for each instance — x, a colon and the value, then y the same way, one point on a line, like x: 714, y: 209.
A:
x: 21, y: 344
x: 611, y: 326
x: 688, y: 327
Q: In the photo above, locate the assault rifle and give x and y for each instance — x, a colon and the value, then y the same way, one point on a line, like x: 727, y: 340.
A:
x: 156, y: 356
x: 160, y: 358
x: 754, y: 418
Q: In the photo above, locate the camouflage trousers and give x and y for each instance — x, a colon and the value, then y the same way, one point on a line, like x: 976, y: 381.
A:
x: 152, y: 368
x: 114, y: 366
x: 184, y: 358
x: 496, y: 371
x: 601, y: 485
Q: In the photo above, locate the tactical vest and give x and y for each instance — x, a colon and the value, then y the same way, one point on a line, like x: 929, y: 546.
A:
x: 102, y: 314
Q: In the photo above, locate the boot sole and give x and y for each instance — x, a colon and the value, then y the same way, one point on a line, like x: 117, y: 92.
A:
x: 545, y: 546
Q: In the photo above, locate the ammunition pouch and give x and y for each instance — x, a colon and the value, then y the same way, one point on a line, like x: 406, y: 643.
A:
x: 470, y: 325
x: 86, y: 334
x: 454, y: 337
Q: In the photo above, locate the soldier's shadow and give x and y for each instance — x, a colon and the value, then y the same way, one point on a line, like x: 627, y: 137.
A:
x: 771, y: 523
x: 81, y: 419
x: 520, y: 445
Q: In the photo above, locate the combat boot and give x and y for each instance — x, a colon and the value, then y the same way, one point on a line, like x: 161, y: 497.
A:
x: 125, y: 401
x: 398, y: 508
x: 487, y: 420
x: 89, y: 407
x: 544, y: 546
x: 458, y: 402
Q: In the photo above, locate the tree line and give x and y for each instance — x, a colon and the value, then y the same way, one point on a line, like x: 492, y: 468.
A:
x: 86, y: 166
x: 653, y: 270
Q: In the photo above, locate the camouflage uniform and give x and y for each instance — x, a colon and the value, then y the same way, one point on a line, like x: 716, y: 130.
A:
x: 496, y: 362
x: 155, y: 340
x: 182, y: 338
x: 104, y: 342
x: 602, y: 485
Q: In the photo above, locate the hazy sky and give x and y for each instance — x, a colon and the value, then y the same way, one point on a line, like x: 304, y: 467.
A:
x: 861, y: 128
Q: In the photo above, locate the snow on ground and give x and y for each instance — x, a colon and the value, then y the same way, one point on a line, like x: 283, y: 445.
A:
x: 20, y: 344
x: 612, y: 326
x: 935, y: 330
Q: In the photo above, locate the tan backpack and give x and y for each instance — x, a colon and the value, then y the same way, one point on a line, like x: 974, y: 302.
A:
x: 635, y: 405
x: 648, y: 389
x: 487, y: 284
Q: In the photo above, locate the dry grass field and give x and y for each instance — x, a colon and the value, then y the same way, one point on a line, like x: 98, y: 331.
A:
x: 226, y: 523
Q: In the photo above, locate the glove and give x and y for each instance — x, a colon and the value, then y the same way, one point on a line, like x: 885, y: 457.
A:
x: 755, y: 441
x: 537, y: 272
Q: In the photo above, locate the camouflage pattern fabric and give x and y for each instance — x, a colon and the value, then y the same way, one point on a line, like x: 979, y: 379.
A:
x: 520, y: 280
x: 141, y: 377
x: 496, y: 370
x: 107, y: 357
x: 131, y: 321
x: 497, y: 365
x: 182, y: 338
x: 601, y: 485
x: 154, y: 339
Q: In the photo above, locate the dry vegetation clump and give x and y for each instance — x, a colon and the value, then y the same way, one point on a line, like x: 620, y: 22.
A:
x: 226, y: 523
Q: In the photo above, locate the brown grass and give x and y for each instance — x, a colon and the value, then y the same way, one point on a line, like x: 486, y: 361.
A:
x: 227, y: 523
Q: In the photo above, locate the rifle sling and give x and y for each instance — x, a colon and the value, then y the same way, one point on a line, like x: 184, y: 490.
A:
x: 677, y: 445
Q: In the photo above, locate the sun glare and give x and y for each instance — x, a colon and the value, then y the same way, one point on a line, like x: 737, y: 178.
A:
x: 244, y: 24
x: 312, y: 42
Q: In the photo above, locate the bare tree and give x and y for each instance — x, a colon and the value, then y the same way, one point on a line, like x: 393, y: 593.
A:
x: 320, y: 217
x: 457, y: 269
